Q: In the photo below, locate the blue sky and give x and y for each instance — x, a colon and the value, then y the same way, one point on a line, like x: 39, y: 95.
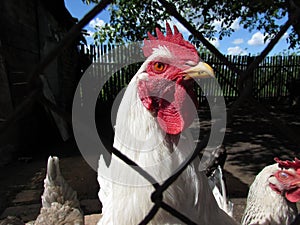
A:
x: 240, y: 42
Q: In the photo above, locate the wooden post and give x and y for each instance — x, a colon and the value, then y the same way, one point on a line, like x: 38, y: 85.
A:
x: 248, y: 83
x: 10, y: 137
x: 5, y: 96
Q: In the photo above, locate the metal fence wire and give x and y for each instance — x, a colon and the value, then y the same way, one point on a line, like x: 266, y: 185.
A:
x: 157, y: 195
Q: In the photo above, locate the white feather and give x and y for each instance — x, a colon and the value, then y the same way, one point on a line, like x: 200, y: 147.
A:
x: 60, y: 205
x: 125, y: 194
x: 216, y: 182
x: 265, y: 206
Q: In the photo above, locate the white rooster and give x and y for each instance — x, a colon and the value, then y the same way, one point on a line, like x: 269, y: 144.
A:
x: 272, y: 195
x: 150, y: 129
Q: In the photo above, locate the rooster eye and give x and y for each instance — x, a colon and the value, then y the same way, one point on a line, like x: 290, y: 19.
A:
x: 283, y: 175
x: 159, y: 67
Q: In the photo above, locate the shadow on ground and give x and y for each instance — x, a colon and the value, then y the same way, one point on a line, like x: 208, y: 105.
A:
x: 251, y: 142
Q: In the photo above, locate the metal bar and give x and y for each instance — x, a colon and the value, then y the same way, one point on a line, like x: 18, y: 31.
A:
x: 171, y: 9
x: 177, y: 214
x: 150, y: 215
x: 67, y: 39
x: 136, y: 167
x: 200, y: 146
x: 265, y: 52
x: 52, y: 106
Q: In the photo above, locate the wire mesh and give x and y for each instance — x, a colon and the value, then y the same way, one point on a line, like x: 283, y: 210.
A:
x: 157, y: 195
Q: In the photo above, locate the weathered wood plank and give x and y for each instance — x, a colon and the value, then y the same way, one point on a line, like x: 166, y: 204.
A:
x: 5, y: 97
x: 16, y: 34
x: 19, y: 60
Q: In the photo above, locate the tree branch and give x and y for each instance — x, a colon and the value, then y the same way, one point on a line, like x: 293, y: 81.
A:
x: 171, y: 9
x: 264, y: 53
x: 67, y: 40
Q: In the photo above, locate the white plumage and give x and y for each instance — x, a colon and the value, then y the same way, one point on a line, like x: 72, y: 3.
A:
x: 60, y: 205
x: 126, y: 195
x: 217, y: 184
x: 264, y: 205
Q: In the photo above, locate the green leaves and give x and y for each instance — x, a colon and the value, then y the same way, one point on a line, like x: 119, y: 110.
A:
x: 90, y: 1
x: 131, y: 19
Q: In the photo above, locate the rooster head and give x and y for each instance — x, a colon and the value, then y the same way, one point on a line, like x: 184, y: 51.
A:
x: 286, y: 180
x: 166, y: 81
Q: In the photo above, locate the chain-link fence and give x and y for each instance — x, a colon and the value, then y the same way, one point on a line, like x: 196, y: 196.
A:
x: 244, y: 93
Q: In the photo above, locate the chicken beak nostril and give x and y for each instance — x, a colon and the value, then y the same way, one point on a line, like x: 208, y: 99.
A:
x: 296, y: 183
x: 201, y: 70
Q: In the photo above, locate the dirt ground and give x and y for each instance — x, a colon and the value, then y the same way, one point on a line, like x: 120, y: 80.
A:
x: 252, y: 141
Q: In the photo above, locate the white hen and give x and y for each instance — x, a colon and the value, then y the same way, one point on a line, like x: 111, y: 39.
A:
x: 272, y: 195
x: 60, y: 205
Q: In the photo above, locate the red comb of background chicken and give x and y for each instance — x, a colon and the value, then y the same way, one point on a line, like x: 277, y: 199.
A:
x: 286, y: 164
x: 173, y: 39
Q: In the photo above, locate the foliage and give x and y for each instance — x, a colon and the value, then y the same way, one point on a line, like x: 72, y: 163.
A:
x: 90, y: 1
x: 129, y: 21
x: 131, y: 18
x: 288, y: 52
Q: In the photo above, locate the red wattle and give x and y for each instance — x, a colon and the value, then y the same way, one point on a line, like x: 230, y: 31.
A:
x: 170, y: 101
x: 170, y: 119
x: 293, y: 196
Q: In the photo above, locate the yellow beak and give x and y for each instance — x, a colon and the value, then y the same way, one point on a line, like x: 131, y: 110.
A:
x: 201, y: 70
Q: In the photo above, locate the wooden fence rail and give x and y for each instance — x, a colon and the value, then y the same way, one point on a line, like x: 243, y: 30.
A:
x: 269, y: 82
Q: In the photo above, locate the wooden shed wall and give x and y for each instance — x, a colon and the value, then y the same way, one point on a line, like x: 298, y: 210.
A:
x: 28, y: 31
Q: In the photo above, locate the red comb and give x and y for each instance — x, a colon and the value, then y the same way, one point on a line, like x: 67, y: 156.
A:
x: 174, y: 38
x: 286, y: 164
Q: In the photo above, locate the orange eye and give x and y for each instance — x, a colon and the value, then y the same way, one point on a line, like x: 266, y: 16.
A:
x: 159, y: 67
